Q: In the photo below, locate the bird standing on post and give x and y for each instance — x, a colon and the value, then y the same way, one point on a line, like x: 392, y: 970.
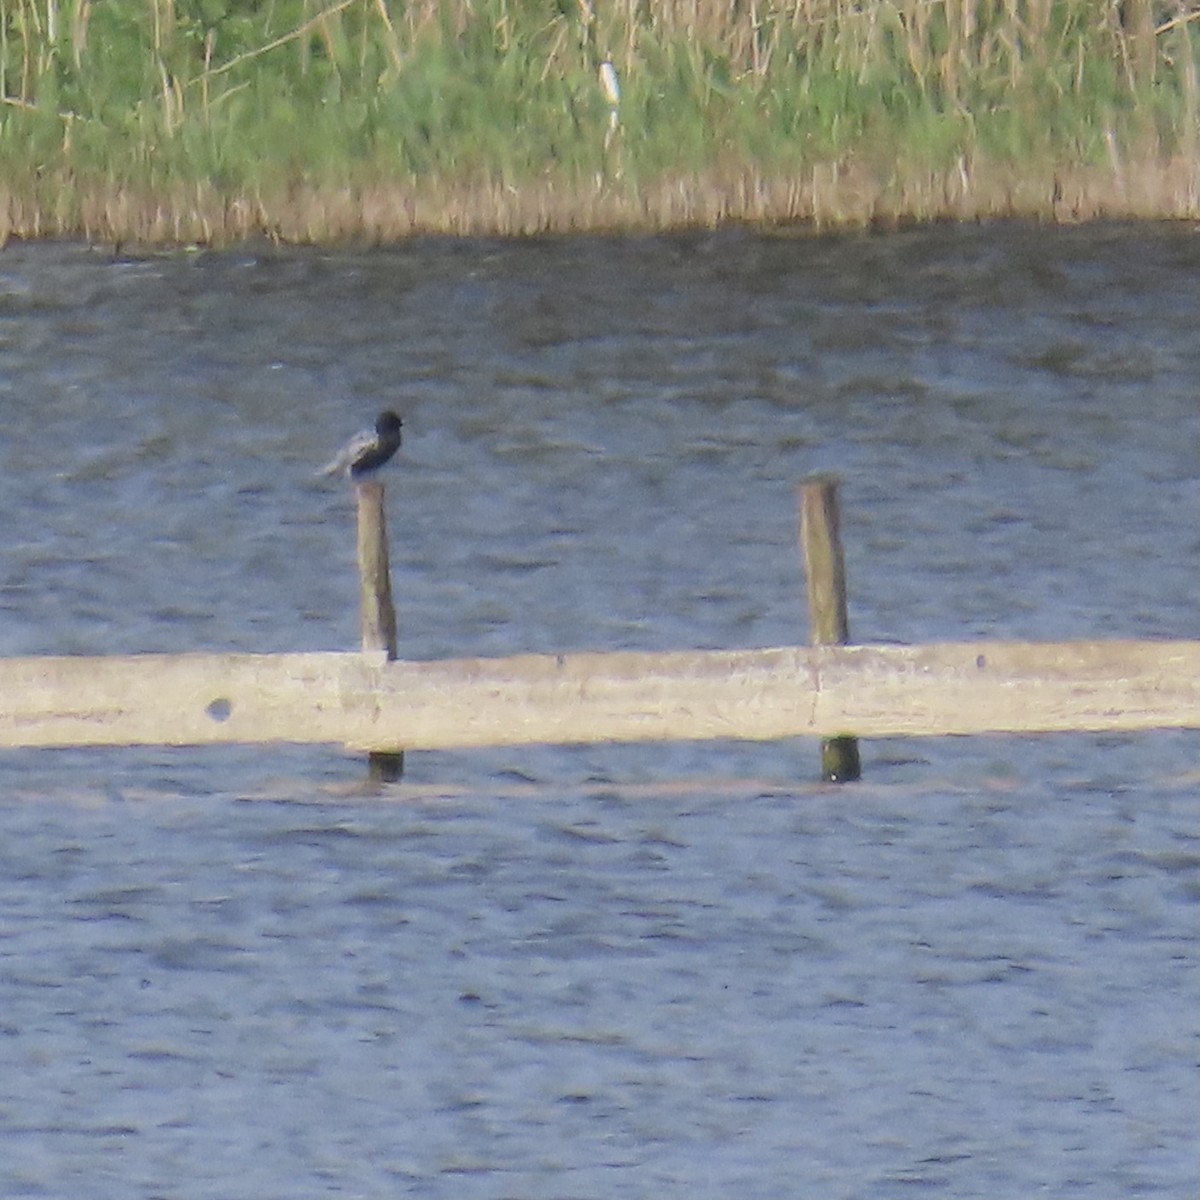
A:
x: 360, y: 458
x: 366, y: 452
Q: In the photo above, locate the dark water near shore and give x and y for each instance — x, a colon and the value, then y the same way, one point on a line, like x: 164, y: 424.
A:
x: 612, y: 971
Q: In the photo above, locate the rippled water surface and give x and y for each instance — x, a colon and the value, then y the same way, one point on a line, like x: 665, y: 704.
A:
x: 613, y: 971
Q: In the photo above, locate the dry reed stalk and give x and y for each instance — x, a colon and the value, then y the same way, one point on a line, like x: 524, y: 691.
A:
x: 1189, y: 134
x: 292, y: 35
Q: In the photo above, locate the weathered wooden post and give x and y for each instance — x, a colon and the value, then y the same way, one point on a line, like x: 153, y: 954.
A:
x: 829, y: 624
x: 378, y: 611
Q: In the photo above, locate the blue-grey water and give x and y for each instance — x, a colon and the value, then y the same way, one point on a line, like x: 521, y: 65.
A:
x: 677, y: 970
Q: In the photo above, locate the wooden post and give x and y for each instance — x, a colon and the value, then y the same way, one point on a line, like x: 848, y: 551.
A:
x: 829, y: 624
x: 378, y: 611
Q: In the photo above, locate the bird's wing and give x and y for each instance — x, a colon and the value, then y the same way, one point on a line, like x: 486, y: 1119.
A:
x: 348, y: 453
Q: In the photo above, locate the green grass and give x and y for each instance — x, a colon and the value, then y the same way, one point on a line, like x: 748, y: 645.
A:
x: 209, y: 119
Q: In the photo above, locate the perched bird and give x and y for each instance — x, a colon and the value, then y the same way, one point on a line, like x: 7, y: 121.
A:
x: 366, y: 452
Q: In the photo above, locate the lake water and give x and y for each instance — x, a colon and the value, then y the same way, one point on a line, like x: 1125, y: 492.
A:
x: 677, y: 970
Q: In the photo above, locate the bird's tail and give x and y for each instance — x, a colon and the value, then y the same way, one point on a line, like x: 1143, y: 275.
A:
x: 335, y: 466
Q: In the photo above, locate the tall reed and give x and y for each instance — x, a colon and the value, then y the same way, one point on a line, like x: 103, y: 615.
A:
x: 209, y: 119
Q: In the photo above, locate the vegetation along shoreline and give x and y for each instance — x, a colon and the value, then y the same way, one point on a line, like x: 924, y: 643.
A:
x: 319, y: 121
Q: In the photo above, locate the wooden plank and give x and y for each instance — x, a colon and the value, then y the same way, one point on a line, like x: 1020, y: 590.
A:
x: 368, y: 703
x: 1012, y: 687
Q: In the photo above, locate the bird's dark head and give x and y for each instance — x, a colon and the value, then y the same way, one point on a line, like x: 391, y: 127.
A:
x: 387, y: 424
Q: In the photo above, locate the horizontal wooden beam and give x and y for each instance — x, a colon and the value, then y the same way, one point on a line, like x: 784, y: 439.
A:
x: 367, y: 703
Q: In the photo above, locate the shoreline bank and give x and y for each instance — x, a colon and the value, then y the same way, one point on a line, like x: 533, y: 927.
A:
x: 324, y: 121
x: 825, y: 199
